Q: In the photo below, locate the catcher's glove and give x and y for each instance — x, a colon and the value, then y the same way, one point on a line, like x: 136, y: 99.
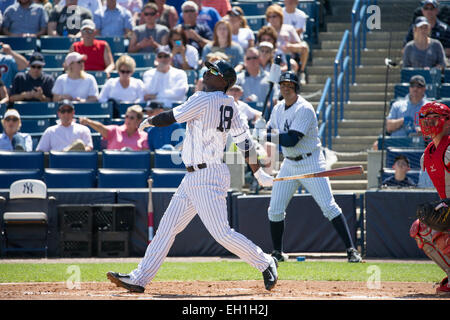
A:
x: 435, y: 214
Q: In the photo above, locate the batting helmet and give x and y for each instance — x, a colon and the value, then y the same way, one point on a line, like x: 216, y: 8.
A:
x: 225, y: 70
x: 290, y: 76
x: 432, y: 126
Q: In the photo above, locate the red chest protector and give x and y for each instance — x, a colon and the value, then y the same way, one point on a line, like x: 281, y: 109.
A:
x: 434, y: 165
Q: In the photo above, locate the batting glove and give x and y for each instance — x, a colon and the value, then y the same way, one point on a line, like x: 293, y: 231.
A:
x: 263, y: 178
x: 145, y: 124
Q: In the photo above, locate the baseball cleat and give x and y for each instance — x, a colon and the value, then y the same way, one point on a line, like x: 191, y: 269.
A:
x: 270, y: 275
x: 353, y: 255
x: 443, y: 288
x: 124, y: 281
x: 280, y: 256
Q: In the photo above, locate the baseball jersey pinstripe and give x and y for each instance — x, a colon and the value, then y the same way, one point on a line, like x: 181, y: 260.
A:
x: 209, y: 117
x: 300, y: 117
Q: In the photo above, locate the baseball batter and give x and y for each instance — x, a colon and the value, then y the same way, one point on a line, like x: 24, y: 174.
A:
x: 434, y: 121
x: 210, y: 116
x: 293, y: 125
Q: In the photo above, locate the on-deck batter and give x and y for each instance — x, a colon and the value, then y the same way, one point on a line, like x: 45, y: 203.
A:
x: 293, y: 124
x: 210, y: 116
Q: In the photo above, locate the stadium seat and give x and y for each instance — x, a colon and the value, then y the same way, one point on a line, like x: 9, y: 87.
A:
x: 143, y: 60
x: 73, y: 160
x: 407, y: 73
x: 402, y: 89
x: 115, y: 159
x: 311, y: 8
x: 253, y: 8
x: 117, y: 178
x: 401, y: 142
x: 256, y: 22
x: 22, y: 45
x: 93, y: 110
x: 55, y: 73
x: 412, y: 174
x: 167, y: 178
x: 69, y: 178
x: 447, y: 75
x: 36, y: 110
x: 121, y: 108
x: 167, y: 159
x: 32, y: 126
x: 444, y: 91
x: 413, y: 155
x: 52, y: 44
x: 117, y: 44
x: 7, y: 177
x: 97, y: 141
x: 54, y: 61
x: 33, y: 160
x: 100, y: 77
x: 192, y: 76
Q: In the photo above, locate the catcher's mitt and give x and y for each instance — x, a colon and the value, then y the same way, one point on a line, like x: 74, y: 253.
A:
x: 435, y: 214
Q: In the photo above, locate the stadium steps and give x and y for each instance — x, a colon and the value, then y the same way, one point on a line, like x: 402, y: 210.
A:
x: 363, y: 115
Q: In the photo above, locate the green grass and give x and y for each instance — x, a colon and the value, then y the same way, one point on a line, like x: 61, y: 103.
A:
x: 225, y: 270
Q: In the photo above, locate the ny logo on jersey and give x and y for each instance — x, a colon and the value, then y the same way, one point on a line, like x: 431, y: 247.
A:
x: 286, y: 126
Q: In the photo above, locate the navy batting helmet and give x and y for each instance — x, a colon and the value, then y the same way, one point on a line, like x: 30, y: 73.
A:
x: 290, y: 76
x: 225, y: 70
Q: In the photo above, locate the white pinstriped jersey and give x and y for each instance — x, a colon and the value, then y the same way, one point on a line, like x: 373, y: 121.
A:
x: 209, y: 117
x: 300, y: 117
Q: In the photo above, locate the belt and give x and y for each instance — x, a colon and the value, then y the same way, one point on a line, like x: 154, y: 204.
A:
x: 300, y: 157
x: 193, y: 168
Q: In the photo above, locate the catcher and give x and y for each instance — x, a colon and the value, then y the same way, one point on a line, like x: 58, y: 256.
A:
x: 432, y: 228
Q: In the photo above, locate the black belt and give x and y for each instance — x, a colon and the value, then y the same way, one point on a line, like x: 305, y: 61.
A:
x: 192, y: 168
x: 300, y: 157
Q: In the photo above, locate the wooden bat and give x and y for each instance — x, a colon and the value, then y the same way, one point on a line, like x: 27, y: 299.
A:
x: 150, y: 211
x: 345, y: 171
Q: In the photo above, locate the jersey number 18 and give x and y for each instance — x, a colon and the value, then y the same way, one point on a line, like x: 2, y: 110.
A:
x: 226, y: 114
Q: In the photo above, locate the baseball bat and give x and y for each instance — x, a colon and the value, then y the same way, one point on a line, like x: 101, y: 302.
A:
x: 150, y: 211
x: 345, y: 171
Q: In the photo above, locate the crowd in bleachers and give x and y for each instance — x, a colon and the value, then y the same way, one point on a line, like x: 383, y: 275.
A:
x: 109, y: 55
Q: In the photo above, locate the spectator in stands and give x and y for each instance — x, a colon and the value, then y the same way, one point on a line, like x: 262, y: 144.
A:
x: 11, y: 139
x: 148, y: 36
x: 123, y: 137
x: 400, y: 121
x: 98, y: 52
x: 246, y: 112
x: 269, y: 34
x: 288, y: 41
x: 294, y: 16
x: 222, y: 42
x: 165, y: 83
x: 33, y: 85
x: 222, y: 7
x: 91, y: 5
x: 439, y: 29
x: 135, y: 8
x: 113, y: 20
x: 399, y: 179
x: 66, y: 134
x: 59, y: 22
x: 211, y: 57
x: 75, y: 84
x: 199, y: 34
x: 423, y: 51
x: 10, y: 63
x: 125, y: 88
x: 167, y: 15
x: 184, y: 55
x: 240, y: 31
x: 48, y: 6
x: 25, y: 19
x: 4, y: 96
x: 266, y: 57
x: 169, y: 137
x: 254, y: 80
x: 205, y: 15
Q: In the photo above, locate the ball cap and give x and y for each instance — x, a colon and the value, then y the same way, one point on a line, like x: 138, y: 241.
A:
x: 417, y: 79
x: 37, y: 59
x: 74, y: 57
x: 421, y: 21
x: 87, y: 24
x: 265, y: 44
x: 65, y: 103
x: 163, y: 49
x: 434, y: 3
x: 11, y: 113
x: 225, y: 70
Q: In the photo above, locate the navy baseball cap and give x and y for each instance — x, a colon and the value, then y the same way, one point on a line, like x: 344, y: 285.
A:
x: 37, y: 59
x: 66, y: 102
x: 417, y: 79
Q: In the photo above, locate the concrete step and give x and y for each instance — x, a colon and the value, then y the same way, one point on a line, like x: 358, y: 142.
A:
x: 356, y: 132
x: 368, y: 53
x: 374, y: 44
x: 387, y: 26
x: 365, y: 61
x: 358, y: 96
x: 359, y: 156
x: 378, y: 70
x: 342, y: 147
x: 359, y: 87
x: 348, y: 184
x: 373, y: 35
x: 363, y: 139
x: 362, y: 115
x: 360, y: 78
x: 341, y: 164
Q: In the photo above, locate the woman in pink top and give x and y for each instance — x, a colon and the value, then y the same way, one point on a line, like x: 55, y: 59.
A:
x: 126, y: 136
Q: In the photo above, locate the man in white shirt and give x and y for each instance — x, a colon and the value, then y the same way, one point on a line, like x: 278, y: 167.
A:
x: 165, y: 83
x: 294, y: 16
x: 66, y: 135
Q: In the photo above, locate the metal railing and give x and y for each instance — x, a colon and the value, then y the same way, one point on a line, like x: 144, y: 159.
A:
x: 326, y: 104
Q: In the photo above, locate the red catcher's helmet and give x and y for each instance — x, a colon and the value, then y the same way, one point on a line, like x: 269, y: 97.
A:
x: 431, y: 126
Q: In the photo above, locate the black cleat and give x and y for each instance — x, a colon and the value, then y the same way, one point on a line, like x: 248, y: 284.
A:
x: 270, y: 275
x: 280, y: 256
x: 353, y: 255
x: 124, y: 281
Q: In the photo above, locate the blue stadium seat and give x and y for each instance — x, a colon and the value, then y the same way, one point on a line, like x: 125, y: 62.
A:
x: 54, y: 61
x: 73, y: 160
x: 36, y: 110
x: 115, y: 159
x: 412, y: 174
x: 93, y: 110
x: 55, y: 73
x: 97, y: 141
x: 35, y: 125
x: 413, y: 155
x: 143, y: 60
x: 256, y: 22
x: 167, y: 178
x: 52, y: 44
x: 167, y: 159
x: 117, y: 178
x: 69, y: 178
x: 311, y: 8
x: 100, y: 76
x: 447, y: 76
x: 117, y: 44
x: 10, y: 175
x: 407, y: 73
x: 22, y: 160
x: 121, y: 108
x: 20, y: 44
x: 192, y: 76
x: 444, y: 91
x: 402, y: 89
x: 253, y: 8
x: 401, y: 142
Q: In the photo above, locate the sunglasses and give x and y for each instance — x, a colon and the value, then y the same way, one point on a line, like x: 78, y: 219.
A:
x: 214, y: 72
x: 429, y: 8
x: 66, y: 110
x: 189, y: 11
x: 163, y: 56
x: 125, y: 71
x: 251, y: 58
x: 130, y: 117
x: 272, y: 16
x: 36, y: 67
x: 152, y: 14
x: 13, y: 119
x: 417, y: 86
x: 88, y: 31
x: 265, y: 50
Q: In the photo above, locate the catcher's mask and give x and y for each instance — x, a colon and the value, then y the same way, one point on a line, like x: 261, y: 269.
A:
x: 432, y: 118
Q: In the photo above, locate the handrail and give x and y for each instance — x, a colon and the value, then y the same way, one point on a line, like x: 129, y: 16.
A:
x: 325, y: 105
x: 339, y: 72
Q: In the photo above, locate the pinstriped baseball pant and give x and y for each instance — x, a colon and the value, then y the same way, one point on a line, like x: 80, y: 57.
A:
x: 204, y: 192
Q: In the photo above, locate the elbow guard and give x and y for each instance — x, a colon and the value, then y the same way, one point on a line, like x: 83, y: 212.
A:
x: 164, y: 119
